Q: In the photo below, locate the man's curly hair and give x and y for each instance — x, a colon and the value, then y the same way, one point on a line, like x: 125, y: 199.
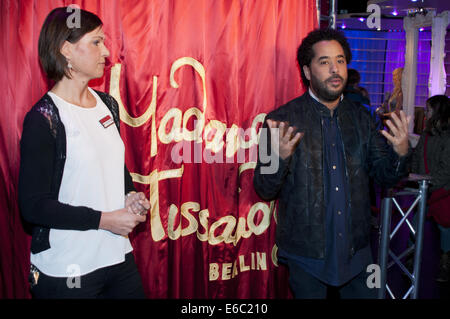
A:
x: 305, y: 52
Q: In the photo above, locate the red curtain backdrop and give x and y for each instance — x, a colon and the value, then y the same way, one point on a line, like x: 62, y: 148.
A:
x: 192, y: 77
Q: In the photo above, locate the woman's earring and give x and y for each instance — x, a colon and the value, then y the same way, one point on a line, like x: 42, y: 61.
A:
x: 69, y: 65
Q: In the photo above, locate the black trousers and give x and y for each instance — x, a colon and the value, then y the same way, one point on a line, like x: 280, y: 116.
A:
x: 121, y: 281
x: 306, y: 286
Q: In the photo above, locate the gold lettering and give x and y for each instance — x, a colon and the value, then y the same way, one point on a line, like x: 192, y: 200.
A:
x: 203, y: 216
x: 241, y: 231
x: 254, y: 137
x: 242, y: 265
x: 232, y: 141
x: 253, y: 260
x: 273, y: 210
x: 153, y: 179
x: 196, y: 134
x: 173, y: 234
x: 265, y: 222
x: 197, y: 67
x: 274, y: 255
x: 175, y: 132
x: 156, y: 226
x: 258, y: 119
x: 244, y: 167
x: 114, y: 90
x: 230, y: 222
x: 231, y: 269
x: 226, y: 270
x: 213, y: 134
x: 261, y: 262
x: 216, y: 143
x: 213, y: 271
x: 193, y: 224
x: 235, y: 271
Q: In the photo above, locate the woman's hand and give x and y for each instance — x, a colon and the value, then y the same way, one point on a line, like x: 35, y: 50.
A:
x: 136, y: 203
x: 121, y: 221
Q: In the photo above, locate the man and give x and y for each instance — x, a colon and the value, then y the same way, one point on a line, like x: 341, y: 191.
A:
x: 322, y: 181
x: 353, y: 90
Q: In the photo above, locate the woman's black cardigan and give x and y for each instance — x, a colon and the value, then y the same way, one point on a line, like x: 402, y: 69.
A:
x: 42, y: 159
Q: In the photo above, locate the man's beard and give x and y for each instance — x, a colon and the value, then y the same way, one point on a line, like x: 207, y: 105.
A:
x: 321, y: 90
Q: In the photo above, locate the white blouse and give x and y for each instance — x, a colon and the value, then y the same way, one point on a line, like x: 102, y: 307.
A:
x: 93, y: 177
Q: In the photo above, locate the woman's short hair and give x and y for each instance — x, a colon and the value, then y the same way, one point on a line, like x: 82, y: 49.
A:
x: 59, y: 27
x: 440, y: 117
x: 305, y: 52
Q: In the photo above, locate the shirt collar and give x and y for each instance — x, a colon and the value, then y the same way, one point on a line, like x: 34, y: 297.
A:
x: 322, y: 108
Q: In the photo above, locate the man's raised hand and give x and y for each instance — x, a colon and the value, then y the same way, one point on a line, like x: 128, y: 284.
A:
x: 399, y: 129
x: 284, y: 138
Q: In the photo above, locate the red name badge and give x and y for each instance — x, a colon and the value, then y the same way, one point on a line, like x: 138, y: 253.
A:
x: 106, y: 121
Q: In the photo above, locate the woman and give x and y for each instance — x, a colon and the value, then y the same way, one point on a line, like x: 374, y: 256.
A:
x: 73, y: 179
x: 395, y: 102
x: 436, y: 140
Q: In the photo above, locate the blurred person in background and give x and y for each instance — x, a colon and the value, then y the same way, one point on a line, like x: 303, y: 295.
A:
x: 432, y: 156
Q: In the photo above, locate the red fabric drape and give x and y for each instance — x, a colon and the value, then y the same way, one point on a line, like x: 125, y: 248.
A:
x: 214, y: 68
